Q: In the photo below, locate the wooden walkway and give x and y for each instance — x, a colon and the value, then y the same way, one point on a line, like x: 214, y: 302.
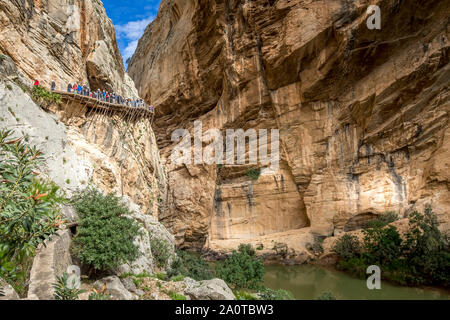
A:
x: 104, y: 105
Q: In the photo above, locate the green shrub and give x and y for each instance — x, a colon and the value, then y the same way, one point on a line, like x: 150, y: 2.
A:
x: 177, y: 278
x: 105, y: 238
x: 161, y: 276
x: 244, y: 295
x: 253, y: 173
x: 326, y: 296
x: 242, y: 269
x: 427, y: 249
x: 2, y: 57
x: 65, y: 290
x: 382, y: 245
x: 422, y: 258
x: 347, y: 247
x: 29, y: 207
x: 99, y: 296
x: 270, y: 294
x: 176, y: 296
x: 355, y: 265
x: 44, y: 96
x: 384, y: 219
x: 160, y: 251
x: 190, y: 265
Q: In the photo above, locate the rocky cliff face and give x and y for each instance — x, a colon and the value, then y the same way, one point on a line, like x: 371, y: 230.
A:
x: 83, y: 146
x: 75, y: 41
x: 362, y: 114
x: 64, y: 41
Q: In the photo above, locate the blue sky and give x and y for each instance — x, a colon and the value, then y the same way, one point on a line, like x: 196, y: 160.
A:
x: 130, y: 18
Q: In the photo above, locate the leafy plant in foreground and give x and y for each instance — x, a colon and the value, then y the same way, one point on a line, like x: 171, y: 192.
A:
x: 65, y: 290
x: 29, y: 207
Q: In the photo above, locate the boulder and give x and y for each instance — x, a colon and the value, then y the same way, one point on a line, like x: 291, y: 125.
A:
x: 114, y: 287
x: 150, y: 228
x: 215, y: 289
x: 69, y: 213
x: 129, y: 284
x: 8, y: 291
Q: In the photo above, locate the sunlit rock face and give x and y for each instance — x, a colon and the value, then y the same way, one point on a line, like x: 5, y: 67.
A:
x: 362, y: 114
x: 65, y: 41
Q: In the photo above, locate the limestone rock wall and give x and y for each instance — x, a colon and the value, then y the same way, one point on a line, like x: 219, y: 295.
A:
x: 362, y: 114
x: 83, y: 146
x: 64, y: 41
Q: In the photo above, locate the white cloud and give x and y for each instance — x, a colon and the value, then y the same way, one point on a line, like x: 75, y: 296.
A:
x: 130, y: 49
x: 130, y: 33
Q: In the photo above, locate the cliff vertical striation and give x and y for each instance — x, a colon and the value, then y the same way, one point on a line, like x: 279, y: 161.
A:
x: 363, y: 114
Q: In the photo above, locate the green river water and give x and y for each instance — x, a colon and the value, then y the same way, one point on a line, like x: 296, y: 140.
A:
x: 307, y: 282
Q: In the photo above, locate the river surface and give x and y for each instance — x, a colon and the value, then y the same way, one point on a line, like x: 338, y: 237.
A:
x: 307, y: 282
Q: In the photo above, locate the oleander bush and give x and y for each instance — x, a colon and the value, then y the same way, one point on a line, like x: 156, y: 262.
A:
x: 242, y: 269
x: 190, y: 265
x: 160, y: 251
x: 29, y: 208
x: 105, y: 238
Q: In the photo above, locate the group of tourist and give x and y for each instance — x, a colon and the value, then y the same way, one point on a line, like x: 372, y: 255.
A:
x: 102, y: 95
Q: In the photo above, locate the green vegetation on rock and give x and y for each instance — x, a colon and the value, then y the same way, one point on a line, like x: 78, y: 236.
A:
x: 190, y: 265
x: 253, y: 173
x: 421, y: 257
x: 29, y: 208
x: 43, y: 96
x: 160, y: 251
x: 242, y: 269
x: 270, y: 294
x: 105, y: 238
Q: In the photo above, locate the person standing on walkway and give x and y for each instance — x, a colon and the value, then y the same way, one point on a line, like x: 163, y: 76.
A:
x: 69, y: 87
x: 36, y: 82
x: 53, y: 85
x: 79, y: 89
x: 74, y: 87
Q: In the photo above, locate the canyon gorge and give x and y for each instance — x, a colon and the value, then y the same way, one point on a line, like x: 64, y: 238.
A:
x: 362, y: 114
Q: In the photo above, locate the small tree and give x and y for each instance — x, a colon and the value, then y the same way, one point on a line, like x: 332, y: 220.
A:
x: 427, y: 249
x: 382, y: 245
x: 160, y: 251
x: 190, y: 265
x: 347, y: 247
x: 243, y: 269
x: 105, y: 238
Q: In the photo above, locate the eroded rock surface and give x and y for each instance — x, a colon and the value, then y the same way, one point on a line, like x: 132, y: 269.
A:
x: 362, y: 114
x: 64, y: 41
